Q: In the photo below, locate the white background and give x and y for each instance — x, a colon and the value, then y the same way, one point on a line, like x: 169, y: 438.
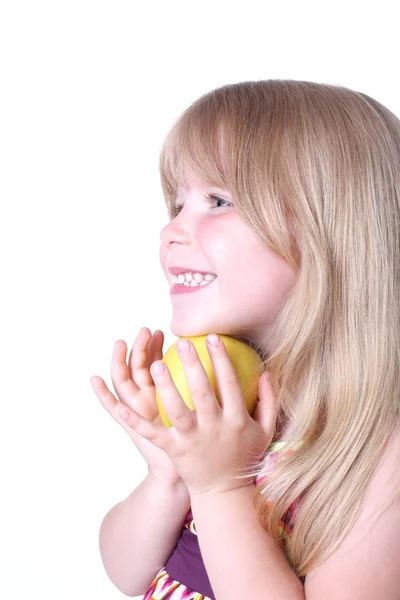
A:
x: 88, y: 91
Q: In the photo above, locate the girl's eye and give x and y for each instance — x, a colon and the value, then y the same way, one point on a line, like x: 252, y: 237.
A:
x: 209, y: 199
x: 214, y: 198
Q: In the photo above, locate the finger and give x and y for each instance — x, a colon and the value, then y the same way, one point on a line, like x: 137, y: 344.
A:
x: 111, y: 404
x: 180, y: 415
x: 156, y: 346
x: 204, y: 399
x: 266, y: 410
x: 229, y: 391
x: 138, y: 363
x: 141, y: 399
x: 124, y: 386
x: 107, y: 398
x: 156, y: 434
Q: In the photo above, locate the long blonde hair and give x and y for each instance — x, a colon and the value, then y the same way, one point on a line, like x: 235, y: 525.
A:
x: 326, y: 160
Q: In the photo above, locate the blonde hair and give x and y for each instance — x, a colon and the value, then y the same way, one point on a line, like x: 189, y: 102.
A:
x: 321, y: 162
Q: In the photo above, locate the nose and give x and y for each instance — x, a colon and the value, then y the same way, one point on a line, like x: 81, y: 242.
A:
x: 175, y: 231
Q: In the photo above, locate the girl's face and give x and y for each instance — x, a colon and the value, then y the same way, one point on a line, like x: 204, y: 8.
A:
x: 251, y: 283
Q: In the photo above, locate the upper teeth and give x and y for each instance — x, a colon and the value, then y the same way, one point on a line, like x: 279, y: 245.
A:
x: 193, y: 278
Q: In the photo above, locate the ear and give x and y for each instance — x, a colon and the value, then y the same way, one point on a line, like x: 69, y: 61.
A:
x: 265, y: 412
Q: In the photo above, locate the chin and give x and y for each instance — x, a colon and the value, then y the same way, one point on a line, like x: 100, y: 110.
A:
x: 190, y: 331
x: 193, y: 330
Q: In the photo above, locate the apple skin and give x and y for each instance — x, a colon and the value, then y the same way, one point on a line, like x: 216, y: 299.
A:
x: 245, y: 360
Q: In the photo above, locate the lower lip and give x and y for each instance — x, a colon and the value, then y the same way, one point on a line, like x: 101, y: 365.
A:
x: 188, y: 289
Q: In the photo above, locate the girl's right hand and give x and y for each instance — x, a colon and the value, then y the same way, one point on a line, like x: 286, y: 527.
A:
x: 135, y: 387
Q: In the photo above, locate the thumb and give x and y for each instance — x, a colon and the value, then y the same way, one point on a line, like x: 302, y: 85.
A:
x: 265, y: 412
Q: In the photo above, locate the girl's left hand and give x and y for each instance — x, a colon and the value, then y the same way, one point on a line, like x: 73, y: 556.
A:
x: 216, y: 442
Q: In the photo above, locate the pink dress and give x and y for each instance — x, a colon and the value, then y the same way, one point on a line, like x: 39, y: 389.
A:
x: 184, y: 576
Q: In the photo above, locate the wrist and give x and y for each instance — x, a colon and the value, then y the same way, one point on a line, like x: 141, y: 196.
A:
x: 166, y: 484
x: 230, y: 489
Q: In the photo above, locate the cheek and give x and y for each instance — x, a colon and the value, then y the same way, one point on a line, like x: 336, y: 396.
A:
x: 277, y: 274
x: 278, y: 282
x: 215, y: 243
x: 266, y: 278
x: 220, y: 238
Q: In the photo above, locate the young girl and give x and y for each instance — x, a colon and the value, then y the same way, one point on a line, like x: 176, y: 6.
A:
x: 287, y: 194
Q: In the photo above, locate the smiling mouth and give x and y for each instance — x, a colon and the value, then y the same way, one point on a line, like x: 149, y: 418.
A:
x: 193, y: 279
x: 184, y: 288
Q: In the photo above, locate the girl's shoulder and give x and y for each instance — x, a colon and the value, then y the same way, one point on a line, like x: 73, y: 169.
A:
x: 383, y: 491
x: 366, y: 562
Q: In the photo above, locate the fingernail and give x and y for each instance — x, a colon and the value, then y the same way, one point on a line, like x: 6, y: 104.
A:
x: 158, y: 368
x: 183, y: 346
x: 213, y: 339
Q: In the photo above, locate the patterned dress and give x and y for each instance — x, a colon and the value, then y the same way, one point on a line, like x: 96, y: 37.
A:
x: 184, y: 576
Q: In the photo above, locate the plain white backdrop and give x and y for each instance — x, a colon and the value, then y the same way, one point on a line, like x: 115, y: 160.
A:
x: 88, y: 92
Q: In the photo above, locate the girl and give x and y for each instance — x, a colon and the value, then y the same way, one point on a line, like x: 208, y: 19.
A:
x: 287, y: 193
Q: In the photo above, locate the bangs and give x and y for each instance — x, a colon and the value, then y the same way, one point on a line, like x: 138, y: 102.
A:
x: 195, y: 148
x: 237, y: 138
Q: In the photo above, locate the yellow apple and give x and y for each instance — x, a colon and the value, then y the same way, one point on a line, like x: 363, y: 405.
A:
x: 246, y: 362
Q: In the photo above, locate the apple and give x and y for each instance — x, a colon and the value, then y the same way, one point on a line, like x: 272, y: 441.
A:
x: 246, y: 362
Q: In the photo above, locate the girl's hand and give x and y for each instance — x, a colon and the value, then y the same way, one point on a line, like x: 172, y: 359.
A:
x: 135, y: 389
x: 216, y: 442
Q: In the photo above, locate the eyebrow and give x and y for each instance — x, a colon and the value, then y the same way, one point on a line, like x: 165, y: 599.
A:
x: 212, y: 189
